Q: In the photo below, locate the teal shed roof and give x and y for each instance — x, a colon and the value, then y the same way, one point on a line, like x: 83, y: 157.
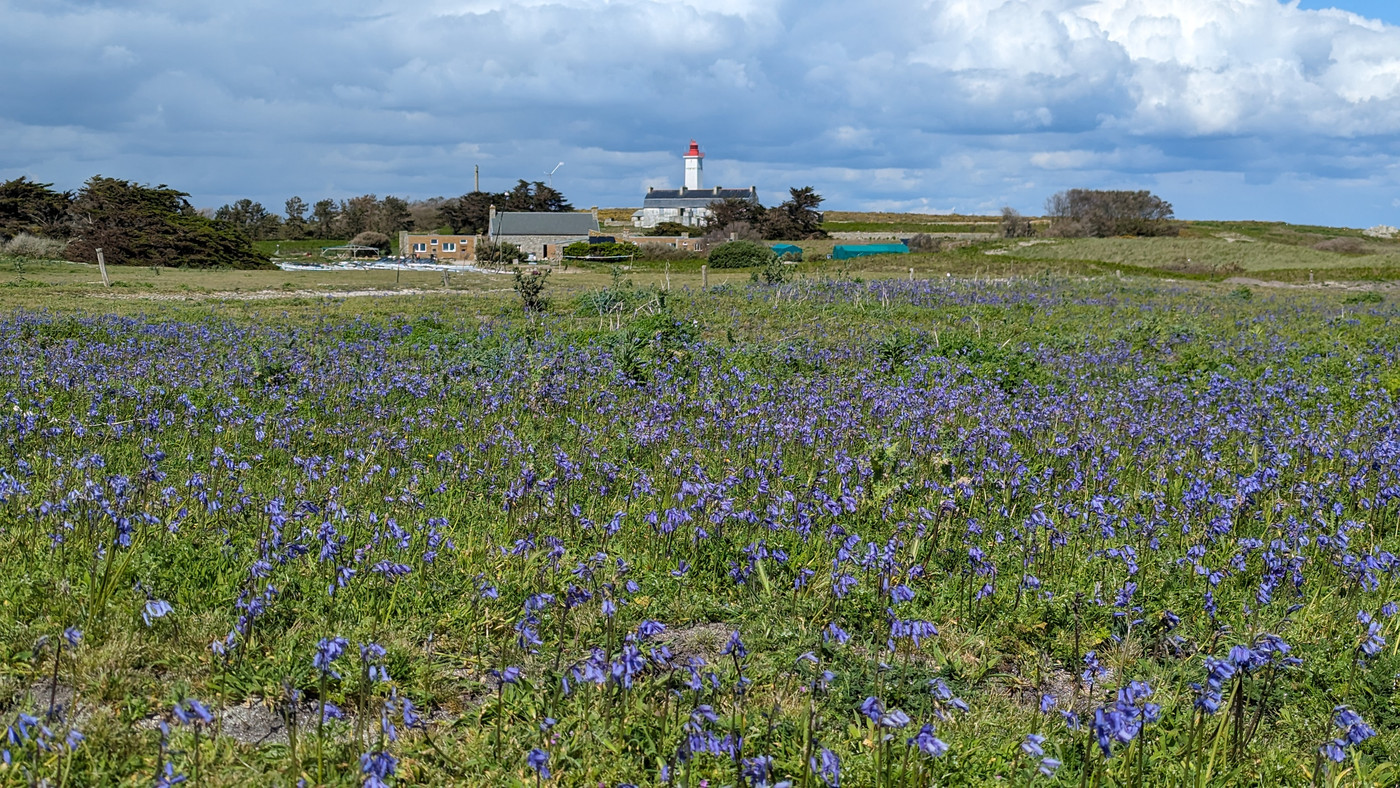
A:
x: 847, y: 251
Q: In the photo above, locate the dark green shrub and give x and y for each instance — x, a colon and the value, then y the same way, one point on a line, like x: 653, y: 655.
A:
x: 740, y: 254
x: 499, y: 253
x: 671, y: 230
x: 608, y: 249
x: 1364, y: 298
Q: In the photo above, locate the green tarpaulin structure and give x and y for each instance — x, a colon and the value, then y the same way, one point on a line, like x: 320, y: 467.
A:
x: 788, y: 249
x: 847, y: 251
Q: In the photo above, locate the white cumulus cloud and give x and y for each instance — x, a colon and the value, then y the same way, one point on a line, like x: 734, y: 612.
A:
x: 887, y: 102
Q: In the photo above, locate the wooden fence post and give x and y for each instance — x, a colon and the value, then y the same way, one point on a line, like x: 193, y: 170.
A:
x: 102, y: 266
x: 704, y: 277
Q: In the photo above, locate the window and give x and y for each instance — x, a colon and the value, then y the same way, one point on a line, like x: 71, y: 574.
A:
x: 448, y: 246
x: 433, y: 242
x: 420, y: 247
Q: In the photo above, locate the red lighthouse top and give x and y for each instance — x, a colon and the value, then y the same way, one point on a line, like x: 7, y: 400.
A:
x: 694, y: 150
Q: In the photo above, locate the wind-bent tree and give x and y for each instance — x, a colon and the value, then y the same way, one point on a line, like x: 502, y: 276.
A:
x: 34, y: 208
x: 797, y: 219
x: 1100, y: 213
x: 144, y: 225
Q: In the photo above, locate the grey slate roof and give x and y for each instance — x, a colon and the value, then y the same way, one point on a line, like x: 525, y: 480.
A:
x: 505, y: 224
x: 694, y: 198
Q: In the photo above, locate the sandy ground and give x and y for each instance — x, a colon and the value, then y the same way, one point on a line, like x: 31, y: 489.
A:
x: 267, y: 295
x: 1379, y: 287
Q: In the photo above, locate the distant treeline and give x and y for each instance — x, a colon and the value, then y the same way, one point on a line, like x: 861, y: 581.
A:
x: 132, y: 224
x: 136, y: 224
x: 468, y: 214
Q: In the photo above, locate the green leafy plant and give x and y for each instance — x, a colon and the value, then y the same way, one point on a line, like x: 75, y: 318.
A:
x: 773, y: 272
x: 530, y: 287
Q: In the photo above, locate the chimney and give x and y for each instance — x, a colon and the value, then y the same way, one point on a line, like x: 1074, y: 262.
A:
x: 595, y: 213
x: 717, y: 191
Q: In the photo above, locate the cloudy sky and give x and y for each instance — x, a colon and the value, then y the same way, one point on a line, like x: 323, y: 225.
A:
x: 1250, y: 109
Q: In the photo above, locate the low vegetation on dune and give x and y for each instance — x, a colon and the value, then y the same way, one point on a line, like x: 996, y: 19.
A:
x: 841, y: 530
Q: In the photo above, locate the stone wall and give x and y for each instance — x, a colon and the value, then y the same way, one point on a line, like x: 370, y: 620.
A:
x: 534, y: 244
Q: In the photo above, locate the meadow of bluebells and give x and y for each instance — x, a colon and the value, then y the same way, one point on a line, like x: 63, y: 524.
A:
x: 832, y: 533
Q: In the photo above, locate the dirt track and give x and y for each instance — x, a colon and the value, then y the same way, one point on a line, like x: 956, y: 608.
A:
x: 1379, y: 287
x: 268, y: 295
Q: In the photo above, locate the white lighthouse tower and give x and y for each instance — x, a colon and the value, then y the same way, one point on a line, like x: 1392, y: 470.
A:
x: 694, y: 167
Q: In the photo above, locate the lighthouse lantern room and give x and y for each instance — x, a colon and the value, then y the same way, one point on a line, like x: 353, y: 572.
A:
x: 694, y: 167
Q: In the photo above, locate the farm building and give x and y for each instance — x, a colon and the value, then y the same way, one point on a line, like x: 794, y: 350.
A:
x: 690, y: 204
x: 543, y: 235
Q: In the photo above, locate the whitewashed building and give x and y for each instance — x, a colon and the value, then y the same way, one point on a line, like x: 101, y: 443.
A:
x: 688, y: 205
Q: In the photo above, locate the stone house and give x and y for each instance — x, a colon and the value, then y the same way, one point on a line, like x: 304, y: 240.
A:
x: 542, y: 235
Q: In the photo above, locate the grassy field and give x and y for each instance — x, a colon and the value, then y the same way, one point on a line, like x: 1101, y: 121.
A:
x: 1014, y: 519
x: 1207, y: 254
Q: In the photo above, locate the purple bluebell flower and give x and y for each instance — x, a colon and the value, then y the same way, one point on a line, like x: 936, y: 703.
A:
x: 192, y: 712
x: 167, y: 776
x: 928, y: 743
x: 156, y: 608
x: 827, y: 765
x: 511, y: 675
x: 1373, y: 642
x: 757, y: 770
x: 1354, y: 731
x: 328, y: 650
x: 735, y: 646
x: 377, y: 767
x: 842, y: 585
x: 538, y: 760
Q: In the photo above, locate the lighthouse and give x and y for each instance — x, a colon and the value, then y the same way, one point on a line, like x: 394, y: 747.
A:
x: 690, y: 204
x: 694, y: 167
